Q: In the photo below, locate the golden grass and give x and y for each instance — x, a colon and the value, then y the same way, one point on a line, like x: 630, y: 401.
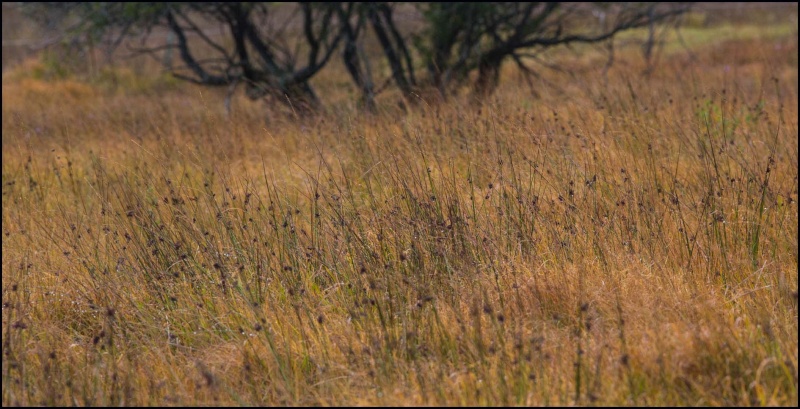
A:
x: 614, y: 240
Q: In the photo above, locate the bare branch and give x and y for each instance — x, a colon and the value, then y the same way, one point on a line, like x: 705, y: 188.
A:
x: 193, y: 27
x: 204, y: 77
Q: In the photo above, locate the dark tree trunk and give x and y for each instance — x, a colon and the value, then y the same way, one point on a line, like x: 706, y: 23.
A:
x: 301, y: 98
x: 353, y: 61
x: 391, y: 53
x: 488, y: 77
x: 353, y: 64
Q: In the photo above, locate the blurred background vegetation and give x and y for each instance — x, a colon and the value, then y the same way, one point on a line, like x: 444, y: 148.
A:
x: 276, y: 50
x: 291, y: 54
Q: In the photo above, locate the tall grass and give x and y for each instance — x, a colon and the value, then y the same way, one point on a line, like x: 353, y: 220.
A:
x: 608, y: 240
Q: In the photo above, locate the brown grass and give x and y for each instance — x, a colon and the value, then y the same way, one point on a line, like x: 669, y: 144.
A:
x: 614, y: 240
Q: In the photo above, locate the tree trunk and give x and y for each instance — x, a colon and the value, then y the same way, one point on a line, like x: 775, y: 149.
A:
x: 302, y: 99
x: 488, y: 78
x: 353, y: 59
x: 391, y: 53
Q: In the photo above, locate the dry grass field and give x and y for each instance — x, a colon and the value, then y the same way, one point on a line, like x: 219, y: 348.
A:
x: 590, y: 239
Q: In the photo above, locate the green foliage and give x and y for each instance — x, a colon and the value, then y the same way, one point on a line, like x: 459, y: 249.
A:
x: 460, y: 36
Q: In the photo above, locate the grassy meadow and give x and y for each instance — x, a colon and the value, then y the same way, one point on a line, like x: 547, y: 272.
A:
x: 588, y: 238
